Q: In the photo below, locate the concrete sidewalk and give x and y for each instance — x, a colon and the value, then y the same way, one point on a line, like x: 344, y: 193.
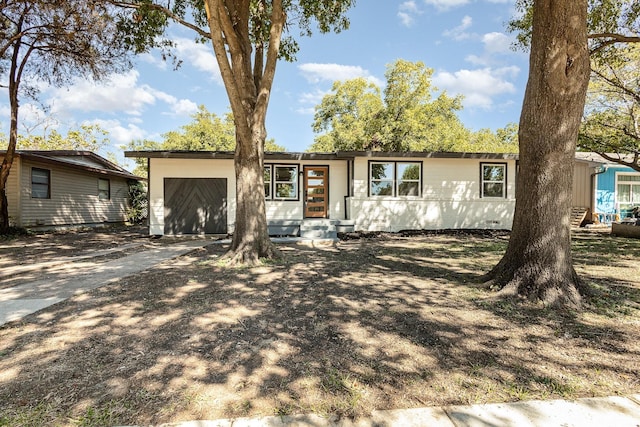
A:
x: 81, y: 275
x: 591, y: 412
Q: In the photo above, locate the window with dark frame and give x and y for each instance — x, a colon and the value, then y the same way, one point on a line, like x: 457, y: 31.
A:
x: 395, y: 178
x: 40, y: 183
x: 493, y: 177
x: 281, y: 182
x: 267, y: 182
x: 104, y: 189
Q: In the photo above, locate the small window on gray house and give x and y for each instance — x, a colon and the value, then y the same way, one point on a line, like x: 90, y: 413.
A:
x: 494, y: 180
x: 104, y: 189
x: 40, y: 183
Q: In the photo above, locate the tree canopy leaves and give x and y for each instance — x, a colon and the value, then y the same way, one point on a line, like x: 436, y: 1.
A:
x: 611, y: 124
x: 408, y: 115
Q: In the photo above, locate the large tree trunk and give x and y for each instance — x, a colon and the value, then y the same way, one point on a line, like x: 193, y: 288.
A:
x: 250, y: 236
x: 7, y: 162
x: 538, y: 263
x: 248, y: 87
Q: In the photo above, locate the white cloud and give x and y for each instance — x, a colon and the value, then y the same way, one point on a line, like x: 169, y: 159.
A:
x: 119, y: 133
x: 495, y: 44
x: 407, y: 11
x: 120, y: 94
x: 480, y: 86
x: 316, y: 73
x: 459, y: 32
x: 443, y: 5
x: 198, y: 55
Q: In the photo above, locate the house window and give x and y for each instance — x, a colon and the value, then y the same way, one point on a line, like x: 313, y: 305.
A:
x: 281, y: 182
x: 104, y: 189
x: 267, y: 182
x: 628, y: 194
x: 395, y: 178
x: 493, y: 177
x: 40, y: 183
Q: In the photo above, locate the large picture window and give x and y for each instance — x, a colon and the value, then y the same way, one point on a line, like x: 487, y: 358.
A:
x: 493, y: 177
x: 628, y: 193
x: 395, y: 178
x: 281, y: 182
x: 40, y: 183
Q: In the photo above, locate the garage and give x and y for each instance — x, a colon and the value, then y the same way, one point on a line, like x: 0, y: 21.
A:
x: 195, y: 206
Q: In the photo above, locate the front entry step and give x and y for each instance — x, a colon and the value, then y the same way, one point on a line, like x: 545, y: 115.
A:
x: 318, y: 229
x: 315, y: 229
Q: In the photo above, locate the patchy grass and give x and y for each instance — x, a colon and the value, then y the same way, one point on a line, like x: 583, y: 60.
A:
x: 392, y: 321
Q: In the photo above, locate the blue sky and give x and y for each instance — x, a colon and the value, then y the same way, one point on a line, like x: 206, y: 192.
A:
x: 464, y: 41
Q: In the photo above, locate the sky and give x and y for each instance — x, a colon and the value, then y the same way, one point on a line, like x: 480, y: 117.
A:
x: 465, y: 42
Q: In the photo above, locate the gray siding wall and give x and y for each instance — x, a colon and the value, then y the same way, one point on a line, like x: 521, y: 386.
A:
x: 13, y: 184
x: 74, y: 198
x: 582, y: 193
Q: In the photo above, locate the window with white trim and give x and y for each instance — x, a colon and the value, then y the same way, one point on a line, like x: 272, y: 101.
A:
x: 281, y: 182
x: 395, y: 178
x: 104, y: 189
x: 493, y: 177
x: 267, y: 181
x: 40, y: 183
x: 628, y: 193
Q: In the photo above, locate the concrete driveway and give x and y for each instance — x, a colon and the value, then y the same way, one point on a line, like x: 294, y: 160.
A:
x: 40, y: 285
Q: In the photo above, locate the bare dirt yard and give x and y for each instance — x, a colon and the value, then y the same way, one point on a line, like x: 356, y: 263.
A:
x: 389, y: 321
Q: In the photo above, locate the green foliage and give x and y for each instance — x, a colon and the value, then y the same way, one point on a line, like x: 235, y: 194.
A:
x: 407, y: 117
x: 611, y: 123
x: 608, y: 22
x: 87, y: 138
x: 138, y: 204
x: 144, y: 22
x: 206, y: 132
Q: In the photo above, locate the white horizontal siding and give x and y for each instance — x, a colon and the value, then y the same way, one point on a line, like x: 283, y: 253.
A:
x: 74, y: 198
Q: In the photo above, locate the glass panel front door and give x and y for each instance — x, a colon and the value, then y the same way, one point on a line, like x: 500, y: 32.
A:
x: 316, y: 184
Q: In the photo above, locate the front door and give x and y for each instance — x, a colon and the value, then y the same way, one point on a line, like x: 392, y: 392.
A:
x: 316, y: 191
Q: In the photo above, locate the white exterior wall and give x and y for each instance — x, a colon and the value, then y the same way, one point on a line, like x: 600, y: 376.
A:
x: 74, y: 198
x: 161, y: 168
x: 450, y: 198
x: 293, y: 210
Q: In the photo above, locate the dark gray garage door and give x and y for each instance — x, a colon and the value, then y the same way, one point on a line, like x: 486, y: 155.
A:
x: 195, y: 205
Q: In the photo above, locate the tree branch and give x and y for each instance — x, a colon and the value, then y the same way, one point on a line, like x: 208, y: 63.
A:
x: 166, y: 11
x: 611, y: 38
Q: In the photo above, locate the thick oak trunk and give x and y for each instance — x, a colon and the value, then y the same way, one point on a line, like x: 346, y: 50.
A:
x: 251, y: 235
x: 538, y: 263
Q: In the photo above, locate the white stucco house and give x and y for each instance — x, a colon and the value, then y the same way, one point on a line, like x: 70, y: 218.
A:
x: 194, y: 192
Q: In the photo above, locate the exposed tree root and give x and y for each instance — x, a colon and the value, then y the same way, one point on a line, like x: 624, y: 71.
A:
x: 538, y: 287
x: 247, y: 255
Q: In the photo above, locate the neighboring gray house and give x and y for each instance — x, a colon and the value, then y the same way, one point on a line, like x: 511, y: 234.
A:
x: 64, y: 188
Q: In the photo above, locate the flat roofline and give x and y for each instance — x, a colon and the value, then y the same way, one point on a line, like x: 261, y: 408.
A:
x: 339, y: 155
